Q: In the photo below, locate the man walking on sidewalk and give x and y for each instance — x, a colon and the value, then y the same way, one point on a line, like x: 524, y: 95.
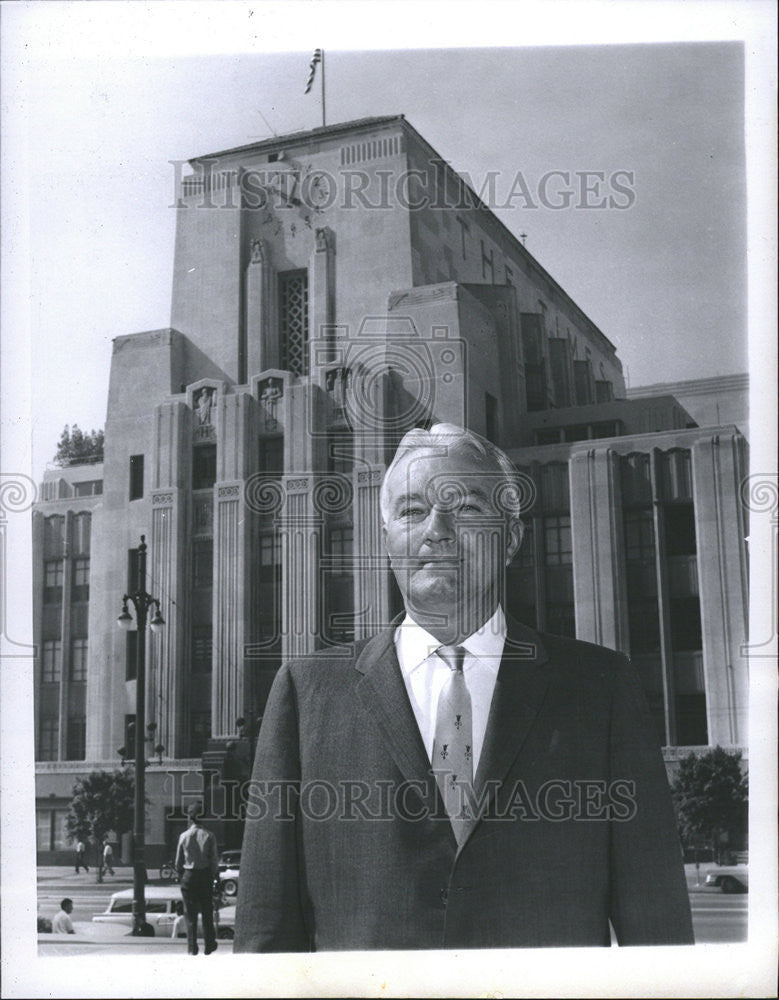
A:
x: 197, y: 863
x: 80, y: 857
x: 108, y: 858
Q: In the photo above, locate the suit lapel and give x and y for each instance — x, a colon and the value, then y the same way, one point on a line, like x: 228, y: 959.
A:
x: 519, y: 693
x: 384, y: 694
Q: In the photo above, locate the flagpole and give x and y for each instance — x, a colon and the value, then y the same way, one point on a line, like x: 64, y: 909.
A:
x: 323, y: 88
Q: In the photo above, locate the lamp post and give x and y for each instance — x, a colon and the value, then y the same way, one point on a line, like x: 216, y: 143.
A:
x: 142, y: 602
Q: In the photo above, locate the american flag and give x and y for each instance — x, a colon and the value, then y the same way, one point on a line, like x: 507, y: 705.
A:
x: 317, y: 57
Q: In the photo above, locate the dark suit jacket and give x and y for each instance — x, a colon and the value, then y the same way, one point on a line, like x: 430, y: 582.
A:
x: 346, y: 844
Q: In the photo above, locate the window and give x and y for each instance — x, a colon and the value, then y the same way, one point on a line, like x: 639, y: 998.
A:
x: 680, y: 530
x: 202, y: 646
x: 644, y: 625
x: 686, y: 623
x: 81, y: 579
x: 271, y: 457
x: 77, y: 738
x: 136, y: 477
x: 93, y: 488
x: 204, y: 467
x: 341, y: 543
x: 557, y: 541
x: 52, y: 587
x: 51, y: 830
x: 293, y: 313
x: 576, y: 432
x: 131, y: 656
x: 133, y: 566
x: 639, y: 535
x: 201, y: 733
x: 78, y: 659
x: 583, y: 383
x: 48, y: 738
x: 54, y: 537
x: 548, y: 435
x: 203, y: 560
x: 270, y: 549
x: 604, y: 391
x: 52, y: 649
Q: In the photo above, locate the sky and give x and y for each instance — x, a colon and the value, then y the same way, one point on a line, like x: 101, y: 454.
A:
x: 664, y: 278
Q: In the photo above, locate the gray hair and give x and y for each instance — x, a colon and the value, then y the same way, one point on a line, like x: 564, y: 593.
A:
x: 453, y: 437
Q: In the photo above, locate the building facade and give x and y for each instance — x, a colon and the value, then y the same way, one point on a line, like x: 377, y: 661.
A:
x: 331, y: 290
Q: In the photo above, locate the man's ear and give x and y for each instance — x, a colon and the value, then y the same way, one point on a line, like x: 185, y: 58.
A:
x: 516, y: 531
x: 384, y: 535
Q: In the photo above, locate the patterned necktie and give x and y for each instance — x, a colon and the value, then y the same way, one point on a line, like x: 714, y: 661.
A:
x: 453, y: 745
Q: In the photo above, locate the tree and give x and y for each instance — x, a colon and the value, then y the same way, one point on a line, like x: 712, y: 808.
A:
x: 711, y: 796
x: 102, y: 802
x: 75, y: 446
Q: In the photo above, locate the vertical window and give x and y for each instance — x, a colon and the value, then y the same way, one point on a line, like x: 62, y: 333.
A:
x: 557, y: 541
x: 48, y: 737
x: 203, y: 559
x: 293, y: 313
x: 341, y: 543
x: 202, y: 646
x: 78, y: 659
x: 52, y: 649
x: 77, y: 737
x: 639, y: 535
x: 271, y: 457
x: 201, y: 733
x: 270, y: 549
x: 133, y: 565
x: 136, y: 477
x: 53, y: 575
x: 81, y: 579
x: 204, y: 467
x: 131, y: 656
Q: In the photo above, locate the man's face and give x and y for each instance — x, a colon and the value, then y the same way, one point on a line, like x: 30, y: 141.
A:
x: 68, y: 907
x: 448, y: 538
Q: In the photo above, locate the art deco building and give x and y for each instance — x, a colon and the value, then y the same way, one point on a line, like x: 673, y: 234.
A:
x: 332, y: 289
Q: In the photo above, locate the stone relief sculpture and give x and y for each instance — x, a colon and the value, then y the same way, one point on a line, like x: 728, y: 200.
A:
x: 270, y: 393
x: 204, y: 403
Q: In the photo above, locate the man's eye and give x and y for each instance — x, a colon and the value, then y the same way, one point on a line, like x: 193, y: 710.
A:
x: 411, y: 512
x: 469, y: 508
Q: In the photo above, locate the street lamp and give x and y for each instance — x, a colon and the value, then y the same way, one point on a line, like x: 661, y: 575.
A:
x: 142, y: 602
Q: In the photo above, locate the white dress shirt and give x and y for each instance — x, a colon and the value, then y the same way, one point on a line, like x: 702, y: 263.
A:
x: 425, y: 673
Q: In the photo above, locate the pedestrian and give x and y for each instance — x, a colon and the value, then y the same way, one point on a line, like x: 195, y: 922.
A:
x: 197, y: 863
x: 108, y: 858
x: 62, y: 924
x: 81, y: 857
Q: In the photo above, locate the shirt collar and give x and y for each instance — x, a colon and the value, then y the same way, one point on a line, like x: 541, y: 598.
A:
x: 486, y: 643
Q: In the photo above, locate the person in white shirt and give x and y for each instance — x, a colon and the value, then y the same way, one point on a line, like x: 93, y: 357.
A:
x: 197, y: 862
x: 62, y: 924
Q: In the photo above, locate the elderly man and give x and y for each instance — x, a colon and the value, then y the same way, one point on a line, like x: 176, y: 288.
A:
x: 459, y: 780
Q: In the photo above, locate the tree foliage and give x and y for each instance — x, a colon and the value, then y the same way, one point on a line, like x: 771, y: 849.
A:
x: 76, y: 446
x: 711, y: 796
x: 102, y: 802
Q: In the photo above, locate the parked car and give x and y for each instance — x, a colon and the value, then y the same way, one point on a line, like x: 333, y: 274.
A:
x: 160, y: 911
x: 229, y: 859
x: 731, y: 878
x: 229, y: 881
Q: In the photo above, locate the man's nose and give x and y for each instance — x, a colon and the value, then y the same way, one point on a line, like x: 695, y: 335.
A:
x: 440, y: 525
